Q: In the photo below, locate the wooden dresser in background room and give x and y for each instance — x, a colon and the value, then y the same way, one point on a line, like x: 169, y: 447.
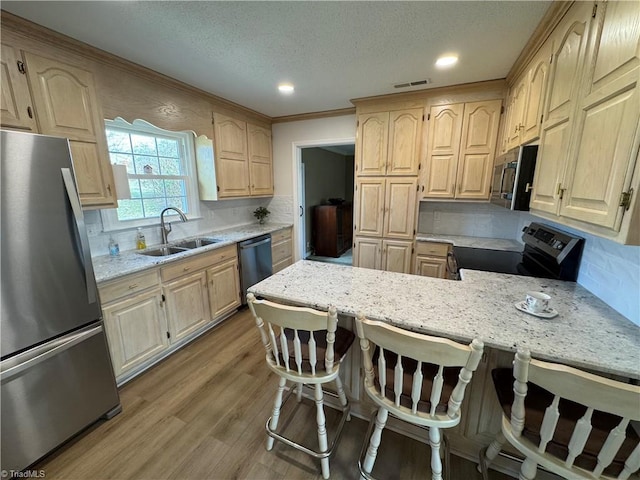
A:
x: 331, y: 229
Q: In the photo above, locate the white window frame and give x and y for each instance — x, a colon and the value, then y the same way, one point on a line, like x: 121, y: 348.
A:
x: 110, y: 220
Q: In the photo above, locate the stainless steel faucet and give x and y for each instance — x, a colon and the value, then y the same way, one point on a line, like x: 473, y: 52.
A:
x: 166, y: 229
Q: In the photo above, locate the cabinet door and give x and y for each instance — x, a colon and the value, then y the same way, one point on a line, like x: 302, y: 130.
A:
x: 367, y: 252
x: 187, y: 305
x: 445, y: 129
x: 569, y: 43
x: 517, y: 110
x: 607, y: 128
x: 260, y: 160
x: 136, y: 330
x: 396, y: 256
x: 372, y: 144
x: 400, y: 207
x: 428, y: 266
x: 66, y: 105
x: 537, y: 77
x: 478, y: 149
x: 405, y: 128
x: 16, y: 110
x: 224, y: 288
x: 232, y: 161
x: 370, y: 206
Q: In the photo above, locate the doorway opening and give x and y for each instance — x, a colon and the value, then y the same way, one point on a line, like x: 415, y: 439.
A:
x: 326, y: 201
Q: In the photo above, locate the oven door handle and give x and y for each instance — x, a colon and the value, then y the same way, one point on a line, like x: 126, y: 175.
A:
x: 452, y: 266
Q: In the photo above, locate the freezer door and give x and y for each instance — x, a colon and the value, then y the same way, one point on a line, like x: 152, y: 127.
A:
x: 52, y: 392
x: 48, y: 285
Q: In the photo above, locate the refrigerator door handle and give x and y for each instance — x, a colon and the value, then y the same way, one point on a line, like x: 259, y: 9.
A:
x: 72, y: 193
x: 18, y: 364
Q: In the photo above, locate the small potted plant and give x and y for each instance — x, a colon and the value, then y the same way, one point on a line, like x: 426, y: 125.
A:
x: 261, y: 213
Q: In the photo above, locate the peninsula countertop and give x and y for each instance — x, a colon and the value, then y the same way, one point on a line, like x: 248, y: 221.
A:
x: 587, y: 333
x: 107, y: 267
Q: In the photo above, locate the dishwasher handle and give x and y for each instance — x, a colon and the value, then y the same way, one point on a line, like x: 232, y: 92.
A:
x: 254, y: 244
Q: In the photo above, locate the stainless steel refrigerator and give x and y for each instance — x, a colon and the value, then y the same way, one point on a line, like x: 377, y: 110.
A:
x: 55, y: 370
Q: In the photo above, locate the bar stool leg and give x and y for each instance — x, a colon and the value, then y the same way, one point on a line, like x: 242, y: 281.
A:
x: 436, y: 462
x: 273, y: 421
x: 341, y: 395
x: 299, y: 392
x: 487, y: 455
x: 322, y: 430
x: 374, y: 442
x: 528, y: 470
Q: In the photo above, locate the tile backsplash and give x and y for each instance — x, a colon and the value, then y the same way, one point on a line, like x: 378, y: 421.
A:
x: 608, y: 270
x: 214, y: 216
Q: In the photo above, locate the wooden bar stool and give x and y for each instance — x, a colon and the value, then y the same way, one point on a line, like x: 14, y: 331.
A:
x: 411, y: 376
x: 570, y: 422
x: 303, y: 346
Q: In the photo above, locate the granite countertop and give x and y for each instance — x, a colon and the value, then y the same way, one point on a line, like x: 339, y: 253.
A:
x: 474, y: 242
x: 587, y: 333
x: 107, y: 267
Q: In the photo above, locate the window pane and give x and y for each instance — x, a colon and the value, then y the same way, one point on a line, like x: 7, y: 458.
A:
x: 134, y: 186
x: 167, y: 147
x: 152, y: 188
x: 143, y: 144
x: 143, y: 161
x: 130, y: 209
x: 118, y: 141
x: 170, y: 166
x: 153, y: 207
x: 123, y: 159
x: 175, y: 188
x: 180, y: 202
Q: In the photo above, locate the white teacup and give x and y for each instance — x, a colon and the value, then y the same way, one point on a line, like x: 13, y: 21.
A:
x: 537, y: 302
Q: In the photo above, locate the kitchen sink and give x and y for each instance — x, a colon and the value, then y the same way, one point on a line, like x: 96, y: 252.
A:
x: 164, y: 251
x: 196, y: 243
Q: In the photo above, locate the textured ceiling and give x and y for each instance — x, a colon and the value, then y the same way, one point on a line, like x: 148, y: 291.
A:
x: 330, y: 51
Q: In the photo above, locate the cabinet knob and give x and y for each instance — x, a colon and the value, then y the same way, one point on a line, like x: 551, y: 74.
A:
x: 132, y: 286
x: 186, y: 269
x: 29, y: 112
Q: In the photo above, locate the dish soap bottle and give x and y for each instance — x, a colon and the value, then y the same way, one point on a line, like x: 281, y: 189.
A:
x: 141, y: 243
x: 114, y: 248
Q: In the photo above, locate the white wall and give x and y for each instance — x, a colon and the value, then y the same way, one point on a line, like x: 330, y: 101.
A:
x: 287, y: 138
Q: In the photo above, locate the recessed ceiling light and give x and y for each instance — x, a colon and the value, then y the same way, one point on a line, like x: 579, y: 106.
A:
x: 285, y: 88
x: 446, y: 61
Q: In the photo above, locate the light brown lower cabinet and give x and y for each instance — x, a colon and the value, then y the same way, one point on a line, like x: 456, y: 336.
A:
x: 383, y: 254
x: 281, y: 249
x: 149, y: 315
x: 430, y: 259
x: 136, y: 330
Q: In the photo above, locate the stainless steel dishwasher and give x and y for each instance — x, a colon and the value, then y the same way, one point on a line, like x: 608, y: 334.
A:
x: 255, y: 262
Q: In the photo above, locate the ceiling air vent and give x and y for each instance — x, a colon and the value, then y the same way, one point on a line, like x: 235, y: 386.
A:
x: 426, y: 81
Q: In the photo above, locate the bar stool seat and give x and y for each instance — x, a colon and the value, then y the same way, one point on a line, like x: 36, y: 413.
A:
x: 570, y: 422
x: 303, y: 346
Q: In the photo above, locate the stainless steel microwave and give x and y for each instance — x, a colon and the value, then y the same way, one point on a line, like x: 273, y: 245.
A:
x: 513, y: 178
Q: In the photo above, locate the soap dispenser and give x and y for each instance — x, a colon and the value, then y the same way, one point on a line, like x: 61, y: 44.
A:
x: 141, y: 243
x: 114, y: 248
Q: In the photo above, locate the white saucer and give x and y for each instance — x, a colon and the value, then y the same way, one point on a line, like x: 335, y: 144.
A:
x: 548, y: 313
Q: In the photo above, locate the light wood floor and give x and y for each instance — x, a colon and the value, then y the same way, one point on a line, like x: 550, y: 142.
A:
x: 200, y: 414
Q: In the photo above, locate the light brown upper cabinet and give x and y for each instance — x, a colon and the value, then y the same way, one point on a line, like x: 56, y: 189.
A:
x: 16, y: 109
x: 63, y: 102
x: 526, y: 101
x: 243, y: 159
x: 569, y: 41
x: 389, y: 142
x: 461, y: 149
x: 588, y: 157
x: 260, y: 161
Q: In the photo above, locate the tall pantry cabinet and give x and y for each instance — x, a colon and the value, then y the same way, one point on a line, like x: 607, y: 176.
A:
x: 387, y: 164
